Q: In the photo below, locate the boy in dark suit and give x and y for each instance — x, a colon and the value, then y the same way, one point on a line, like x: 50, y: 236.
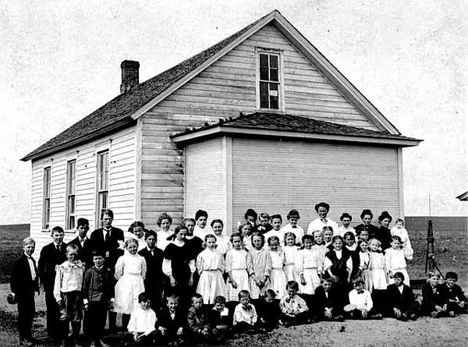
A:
x: 24, y: 282
x: 83, y: 242
x: 52, y: 255
x: 172, y: 324
x: 330, y: 300
x: 400, y: 299
x: 456, y: 299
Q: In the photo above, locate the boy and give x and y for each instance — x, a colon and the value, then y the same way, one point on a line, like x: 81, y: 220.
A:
x: 276, y: 222
x: 198, y: 321
x: 293, y: 218
x: 269, y: 311
x: 219, y: 315
x: 294, y: 309
x: 360, y: 302
x: 201, y: 218
x: 172, y: 323
x: 456, y: 299
x: 23, y: 284
x: 52, y: 255
x: 434, y: 302
x: 67, y: 292
x: 98, y: 296
x: 142, y: 324
x: 83, y: 242
x: 329, y: 299
x: 400, y: 299
x: 263, y: 223
x: 245, y: 315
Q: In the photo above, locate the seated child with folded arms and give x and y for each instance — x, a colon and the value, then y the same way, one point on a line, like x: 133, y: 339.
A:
x: 142, y: 324
x: 294, y: 310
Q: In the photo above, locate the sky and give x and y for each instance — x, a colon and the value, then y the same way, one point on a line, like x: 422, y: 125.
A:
x: 60, y: 60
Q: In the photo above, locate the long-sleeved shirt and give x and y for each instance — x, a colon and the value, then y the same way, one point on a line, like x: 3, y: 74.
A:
x: 362, y: 301
x: 69, y: 278
x: 318, y: 224
x: 245, y: 314
x: 293, y: 306
x: 142, y: 321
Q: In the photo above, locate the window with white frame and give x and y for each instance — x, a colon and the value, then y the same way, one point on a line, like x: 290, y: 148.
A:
x: 102, y: 182
x: 70, y: 221
x: 46, y: 198
x: 269, y: 84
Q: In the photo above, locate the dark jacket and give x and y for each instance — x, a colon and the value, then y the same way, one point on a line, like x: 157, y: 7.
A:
x: 403, y: 301
x: 198, y: 319
x: 432, y: 297
x: 98, y: 285
x: 172, y: 325
x: 21, y: 281
x: 85, y: 251
x: 49, y: 258
x: 110, y: 245
x: 335, y: 300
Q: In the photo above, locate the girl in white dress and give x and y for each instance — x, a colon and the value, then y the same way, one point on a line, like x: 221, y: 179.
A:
x: 400, y: 230
x: 395, y: 260
x: 238, y: 266
x: 277, y: 276
x: 377, y: 268
x: 222, y: 241
x: 309, y: 267
x: 319, y: 245
x: 210, y: 267
x: 130, y: 272
x: 290, y: 253
x: 364, y: 260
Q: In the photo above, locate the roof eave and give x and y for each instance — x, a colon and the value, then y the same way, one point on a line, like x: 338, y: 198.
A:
x: 124, y: 123
x: 251, y: 132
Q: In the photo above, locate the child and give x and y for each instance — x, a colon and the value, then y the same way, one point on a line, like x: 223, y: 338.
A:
x: 364, y: 260
x: 319, y: 245
x: 399, y: 230
x: 457, y: 302
x: 378, y: 274
x: 290, y: 254
x: 293, y: 308
x: 327, y: 235
x: 395, y: 260
x: 23, y: 284
x: 277, y: 275
x: 250, y: 217
x: 130, y: 272
x: 219, y: 315
x: 245, y: 315
x: 83, y: 242
x: 309, y: 268
x: 222, y: 241
x: 245, y: 231
x: 98, y: 297
x: 195, y: 243
x: 155, y: 279
x: 263, y: 223
x: 210, y: 266
x: 268, y: 310
x: 293, y: 218
x: 345, y: 225
x: 67, y: 292
x: 164, y: 222
x: 261, y: 266
x: 322, y: 209
x: 276, y: 222
x: 238, y: 266
x: 363, y: 235
x: 172, y: 324
x: 351, y: 246
x: 400, y: 299
x: 198, y: 320
x: 138, y: 229
x: 434, y: 298
x: 142, y: 324
x: 52, y: 255
x: 201, y: 218
x: 338, y: 263
x: 360, y: 302
x: 330, y: 300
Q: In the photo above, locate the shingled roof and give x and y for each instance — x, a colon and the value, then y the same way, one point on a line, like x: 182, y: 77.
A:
x: 290, y: 126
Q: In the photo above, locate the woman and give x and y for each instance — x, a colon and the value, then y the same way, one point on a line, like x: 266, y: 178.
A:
x: 383, y: 234
x: 322, y: 209
x: 366, y: 218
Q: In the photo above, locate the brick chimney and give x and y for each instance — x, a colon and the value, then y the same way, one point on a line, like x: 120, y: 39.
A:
x: 130, y: 75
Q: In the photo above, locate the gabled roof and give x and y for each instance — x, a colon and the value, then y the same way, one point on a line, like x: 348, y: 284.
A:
x: 125, y: 108
x: 260, y: 124
x: 463, y: 197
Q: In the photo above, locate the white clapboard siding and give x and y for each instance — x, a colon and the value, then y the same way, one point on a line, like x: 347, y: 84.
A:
x: 288, y: 175
x: 122, y: 168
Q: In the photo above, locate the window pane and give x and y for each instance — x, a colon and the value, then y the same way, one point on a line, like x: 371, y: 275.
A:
x: 71, y: 204
x: 264, y: 74
x: 264, y: 61
x: 71, y: 223
x: 274, y: 75
x: 273, y: 61
x: 274, y: 102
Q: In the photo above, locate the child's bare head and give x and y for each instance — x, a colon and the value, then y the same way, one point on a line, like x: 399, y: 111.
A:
x: 172, y: 302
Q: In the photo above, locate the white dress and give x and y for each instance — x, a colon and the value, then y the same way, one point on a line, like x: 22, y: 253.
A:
x: 318, y: 224
x: 130, y: 271
x: 298, y: 231
x: 322, y: 252
x: 223, y: 244
x: 277, y: 275
x: 342, y: 230
x: 403, y: 234
x: 210, y: 266
x: 364, y: 260
x: 377, y: 271
x: 395, y: 262
x: 308, y: 264
x: 276, y: 233
x: 290, y: 255
x: 238, y: 263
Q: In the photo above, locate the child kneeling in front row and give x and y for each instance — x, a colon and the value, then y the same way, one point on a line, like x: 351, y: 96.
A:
x: 142, y: 324
x: 293, y: 308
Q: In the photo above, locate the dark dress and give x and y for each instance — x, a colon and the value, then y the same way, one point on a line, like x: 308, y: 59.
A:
x: 383, y: 235
x: 155, y: 279
x: 339, y: 268
x: 180, y: 257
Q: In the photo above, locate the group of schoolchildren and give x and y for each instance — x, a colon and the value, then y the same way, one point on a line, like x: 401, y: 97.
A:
x: 197, y: 285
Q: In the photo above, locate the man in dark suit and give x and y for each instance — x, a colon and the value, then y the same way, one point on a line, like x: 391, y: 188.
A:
x: 84, y: 243
x: 108, y: 239
x: 400, y: 299
x: 329, y: 300
x: 24, y: 283
x: 51, y: 255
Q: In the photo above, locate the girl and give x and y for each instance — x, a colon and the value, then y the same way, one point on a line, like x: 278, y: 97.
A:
x: 364, y: 235
x: 366, y: 218
x: 164, y: 222
x: 210, y: 266
x: 308, y: 267
x: 377, y: 268
x: 278, y: 277
x: 201, y: 218
x: 290, y: 254
x: 238, y: 265
x: 399, y: 230
x: 195, y: 243
x: 222, y: 241
x: 138, y: 230
x: 261, y: 267
x: 319, y: 245
x: 293, y: 218
x: 364, y: 260
x: 246, y: 231
x: 276, y: 222
x: 345, y: 225
x: 130, y: 272
x: 179, y: 265
x: 327, y: 235
x: 350, y: 246
x: 338, y: 262
x: 322, y: 209
x: 395, y: 260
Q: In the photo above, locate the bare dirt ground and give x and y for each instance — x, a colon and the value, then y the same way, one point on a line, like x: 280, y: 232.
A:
x: 387, y: 332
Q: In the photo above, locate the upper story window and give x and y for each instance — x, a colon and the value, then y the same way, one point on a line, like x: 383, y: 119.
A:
x: 102, y: 182
x: 46, y: 198
x: 70, y: 219
x: 270, y: 80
